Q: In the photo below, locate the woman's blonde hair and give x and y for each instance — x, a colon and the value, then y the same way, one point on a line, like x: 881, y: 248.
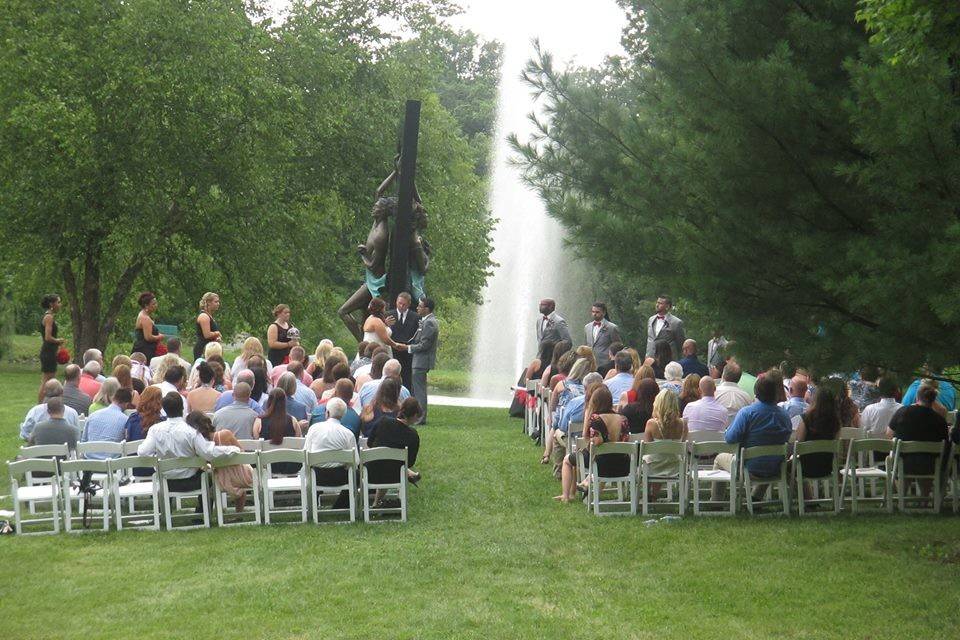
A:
x: 323, y: 351
x: 635, y: 356
x: 105, y: 395
x: 579, y: 370
x: 169, y: 360
x: 666, y: 411
x: 691, y: 387
x: 212, y: 349
x: 280, y: 308
x: 207, y: 299
x: 119, y: 360
x: 251, y: 347
x: 122, y: 373
x: 583, y: 351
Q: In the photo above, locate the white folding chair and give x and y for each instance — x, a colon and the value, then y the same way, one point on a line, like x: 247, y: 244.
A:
x: 347, y: 460
x: 698, y: 475
x: 705, y: 436
x: 614, y: 507
x: 530, y: 411
x: 768, y: 483
x: 96, y: 468
x: 58, y: 451
x: 954, y: 476
x: 106, y: 448
x: 831, y: 481
x: 130, y: 447
x: 362, y: 442
x: 932, y: 451
x: 221, y: 498
x: 164, y: 468
x: 380, y: 454
x: 23, y: 492
x: 288, y: 485
x: 672, y: 448
x: 291, y: 442
x: 251, y: 445
x: 861, y: 465
x: 131, y: 488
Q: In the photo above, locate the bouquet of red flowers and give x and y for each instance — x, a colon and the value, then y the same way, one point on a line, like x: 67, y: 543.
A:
x: 161, y: 348
x: 63, y: 356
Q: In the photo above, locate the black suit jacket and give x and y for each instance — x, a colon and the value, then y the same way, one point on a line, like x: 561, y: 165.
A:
x: 404, y: 332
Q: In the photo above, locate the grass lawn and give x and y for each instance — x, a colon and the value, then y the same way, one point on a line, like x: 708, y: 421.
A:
x: 487, y: 554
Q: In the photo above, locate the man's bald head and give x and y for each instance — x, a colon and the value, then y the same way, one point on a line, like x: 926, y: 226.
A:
x: 707, y: 387
x: 245, y: 376
x: 392, y: 368
x: 241, y: 392
x: 798, y: 388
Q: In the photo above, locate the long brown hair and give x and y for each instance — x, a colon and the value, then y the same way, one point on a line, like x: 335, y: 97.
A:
x: 386, y: 399
x: 149, y: 407
x: 275, y: 418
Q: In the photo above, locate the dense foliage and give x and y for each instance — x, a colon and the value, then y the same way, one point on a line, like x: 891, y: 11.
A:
x: 780, y: 173
x: 183, y: 147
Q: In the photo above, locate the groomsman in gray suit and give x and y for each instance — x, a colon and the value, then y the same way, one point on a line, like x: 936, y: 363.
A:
x: 600, y: 334
x: 663, y: 326
x: 550, y: 325
x: 423, y: 346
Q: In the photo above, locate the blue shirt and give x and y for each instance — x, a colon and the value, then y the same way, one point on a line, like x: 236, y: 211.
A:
x: 572, y: 412
x: 690, y: 365
x: 794, y: 407
x: 618, y: 385
x: 571, y: 389
x: 757, y: 425
x: 134, y: 427
x: 226, y: 399
x: 369, y: 390
x: 110, y: 424
x: 351, y: 419
x: 296, y: 408
x: 305, y: 395
x: 947, y: 395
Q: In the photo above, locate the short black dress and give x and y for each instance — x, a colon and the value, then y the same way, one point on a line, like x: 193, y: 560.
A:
x: 202, y: 342
x: 144, y: 346
x: 48, y: 350
x: 284, y: 468
x: 396, y: 435
x: 276, y: 356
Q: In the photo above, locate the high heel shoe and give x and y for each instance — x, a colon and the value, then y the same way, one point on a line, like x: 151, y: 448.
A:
x: 415, y: 478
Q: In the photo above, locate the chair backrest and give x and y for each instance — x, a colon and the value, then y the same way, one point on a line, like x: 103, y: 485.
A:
x: 288, y: 443
x: 951, y: 418
x: 44, y: 451
x: 817, y: 446
x: 346, y: 458
x: 172, y: 464
x: 705, y: 436
x: 851, y: 433
x: 130, y: 447
x: 251, y: 445
x: 362, y: 443
x: 749, y: 453
x: 872, y: 444
x: 581, y: 444
x: 636, y: 437
x: 664, y: 447
x: 575, y: 427
x: 100, y: 446
x: 608, y: 448
x: 272, y: 456
x: 532, y: 385
x: 129, y: 462
x: 713, y: 447
x: 383, y: 453
x: 30, y: 465
x: 78, y: 466
x: 242, y: 457
x: 919, y: 446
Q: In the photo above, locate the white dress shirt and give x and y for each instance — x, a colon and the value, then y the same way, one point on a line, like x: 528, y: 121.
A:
x: 876, y: 417
x: 174, y: 438
x: 731, y: 396
x: 165, y: 388
x: 330, y: 435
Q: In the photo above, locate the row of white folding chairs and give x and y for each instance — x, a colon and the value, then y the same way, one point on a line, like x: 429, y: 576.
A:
x: 120, y: 484
x: 859, y: 468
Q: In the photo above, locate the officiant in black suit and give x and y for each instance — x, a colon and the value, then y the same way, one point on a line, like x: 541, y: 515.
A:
x: 404, y: 329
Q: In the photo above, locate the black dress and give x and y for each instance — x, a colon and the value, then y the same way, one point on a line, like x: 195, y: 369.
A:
x: 48, y: 350
x: 276, y: 356
x: 817, y: 465
x: 202, y: 342
x: 396, y: 435
x: 285, y: 468
x: 144, y: 346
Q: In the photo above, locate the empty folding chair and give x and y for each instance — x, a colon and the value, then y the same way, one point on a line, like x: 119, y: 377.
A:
x: 614, y: 463
x: 378, y: 475
x: 131, y: 488
x: 664, y: 461
x: 23, y: 492
x: 767, y: 483
x: 221, y: 497
x: 817, y: 455
x: 918, y: 463
x: 70, y: 493
x: 33, y: 479
x: 251, y: 445
x: 289, y: 485
x: 707, y: 474
x: 347, y: 461
x: 170, y: 466
x: 868, y: 459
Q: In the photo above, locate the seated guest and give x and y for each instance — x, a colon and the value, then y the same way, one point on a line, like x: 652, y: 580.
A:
x: 303, y: 394
x: 51, y: 389
x: 220, y: 379
x: 341, y: 372
x: 261, y: 385
x: 319, y: 359
x: 849, y: 414
x: 865, y: 391
x: 583, y: 351
x: 89, y: 380
x: 251, y: 347
x: 729, y: 393
x: 795, y: 406
x: 573, y: 411
x: 237, y: 417
x: 946, y: 394
x: 173, y: 348
x: 639, y: 411
x: 54, y: 430
x: 140, y: 371
x: 662, y: 356
x: 288, y: 384
x: 174, y: 381
x: 234, y: 479
x: 73, y: 397
x: 360, y: 356
x: 174, y: 438
x: 386, y: 402
x: 643, y: 373
x: 876, y: 417
x: 820, y: 422
x: 332, y: 435
x: 564, y: 364
x: 919, y: 422
x: 565, y: 391
x: 297, y: 354
x: 122, y: 373
x: 622, y: 381
x: 607, y: 366
x: 146, y: 415
x: 105, y: 396
x: 350, y: 418
x: 391, y: 369
x: 226, y: 398
x: 559, y: 349
x: 396, y: 433
x: 276, y: 424
x: 213, y: 351
x: 109, y: 424
x: 673, y: 378
x: 761, y: 423
x: 664, y: 424
x: 204, y: 397
x: 326, y: 379
x: 706, y: 414
x: 380, y: 358
x: 689, y: 391
x: 364, y: 364
x: 603, y: 426
x: 94, y: 355
x: 690, y: 363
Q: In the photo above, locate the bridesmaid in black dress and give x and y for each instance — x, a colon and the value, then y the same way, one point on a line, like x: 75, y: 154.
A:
x: 147, y: 336
x: 51, y: 343
x: 278, y: 342
x: 207, y: 328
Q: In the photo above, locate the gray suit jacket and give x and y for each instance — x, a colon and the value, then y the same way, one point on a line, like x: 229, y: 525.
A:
x: 556, y: 329
x: 671, y: 332
x: 424, y: 343
x: 607, y: 335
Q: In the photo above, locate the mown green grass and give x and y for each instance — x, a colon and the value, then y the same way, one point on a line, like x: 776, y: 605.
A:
x: 486, y: 553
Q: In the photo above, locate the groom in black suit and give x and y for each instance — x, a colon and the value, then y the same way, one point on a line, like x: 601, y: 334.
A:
x: 404, y: 329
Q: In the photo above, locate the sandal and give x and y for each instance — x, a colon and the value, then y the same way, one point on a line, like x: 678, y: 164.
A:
x: 544, y: 459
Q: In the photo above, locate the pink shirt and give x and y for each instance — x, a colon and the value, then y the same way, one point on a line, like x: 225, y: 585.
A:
x: 281, y: 369
x: 706, y: 414
x: 88, y: 384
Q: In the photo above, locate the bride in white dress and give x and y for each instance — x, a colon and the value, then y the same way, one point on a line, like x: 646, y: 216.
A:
x: 375, y: 330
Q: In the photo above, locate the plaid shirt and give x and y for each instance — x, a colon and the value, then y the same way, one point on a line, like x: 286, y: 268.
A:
x: 108, y: 424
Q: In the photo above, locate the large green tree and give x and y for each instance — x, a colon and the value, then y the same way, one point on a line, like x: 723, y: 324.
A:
x: 759, y: 161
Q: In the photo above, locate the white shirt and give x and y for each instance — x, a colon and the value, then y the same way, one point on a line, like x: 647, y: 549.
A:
x: 330, y: 435
x: 155, y: 362
x: 731, y: 396
x: 39, y: 414
x: 706, y: 414
x: 658, y: 323
x: 362, y: 371
x: 876, y: 417
x: 174, y: 438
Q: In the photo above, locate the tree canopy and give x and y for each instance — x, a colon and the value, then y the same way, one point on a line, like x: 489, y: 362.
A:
x: 770, y: 166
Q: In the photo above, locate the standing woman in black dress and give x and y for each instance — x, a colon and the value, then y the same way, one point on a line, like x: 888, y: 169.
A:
x: 146, y: 334
x: 207, y: 328
x: 278, y: 342
x: 51, y: 343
